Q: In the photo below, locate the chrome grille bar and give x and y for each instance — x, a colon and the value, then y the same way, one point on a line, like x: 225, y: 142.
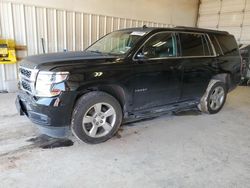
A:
x: 27, y: 79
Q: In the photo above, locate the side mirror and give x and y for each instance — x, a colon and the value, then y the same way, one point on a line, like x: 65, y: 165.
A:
x: 140, y: 56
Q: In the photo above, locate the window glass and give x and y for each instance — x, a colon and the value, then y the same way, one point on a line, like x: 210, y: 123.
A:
x: 216, y: 45
x: 160, y: 45
x: 193, y: 45
x: 207, y: 46
x: 118, y: 42
x: 228, y: 44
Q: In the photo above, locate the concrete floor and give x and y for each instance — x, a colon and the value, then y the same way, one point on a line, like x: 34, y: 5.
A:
x: 170, y: 151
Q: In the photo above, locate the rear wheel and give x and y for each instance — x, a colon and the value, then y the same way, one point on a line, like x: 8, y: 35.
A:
x: 96, y: 117
x: 214, y: 98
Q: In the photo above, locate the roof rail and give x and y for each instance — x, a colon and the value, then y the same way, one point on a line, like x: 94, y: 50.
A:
x: 201, y: 29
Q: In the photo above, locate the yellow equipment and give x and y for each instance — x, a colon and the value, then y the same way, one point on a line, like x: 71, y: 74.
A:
x: 7, y: 51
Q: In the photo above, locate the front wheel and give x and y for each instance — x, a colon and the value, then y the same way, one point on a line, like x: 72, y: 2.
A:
x: 96, y: 118
x: 214, y: 98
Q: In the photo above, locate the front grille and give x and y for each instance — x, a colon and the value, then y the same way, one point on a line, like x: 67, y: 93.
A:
x: 27, y: 79
x: 26, y: 86
x: 25, y: 72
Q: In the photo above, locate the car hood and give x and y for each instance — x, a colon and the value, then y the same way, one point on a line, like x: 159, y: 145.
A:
x: 52, y: 60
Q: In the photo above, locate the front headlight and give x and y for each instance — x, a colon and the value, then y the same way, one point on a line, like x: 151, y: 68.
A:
x: 46, y: 81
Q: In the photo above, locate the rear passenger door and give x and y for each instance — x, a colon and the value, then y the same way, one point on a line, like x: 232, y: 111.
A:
x: 198, y: 63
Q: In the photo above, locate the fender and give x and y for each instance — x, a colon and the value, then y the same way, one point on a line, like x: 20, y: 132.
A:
x: 227, y: 79
x: 118, y: 91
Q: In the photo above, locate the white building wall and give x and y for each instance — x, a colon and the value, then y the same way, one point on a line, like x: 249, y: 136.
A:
x: 178, y: 12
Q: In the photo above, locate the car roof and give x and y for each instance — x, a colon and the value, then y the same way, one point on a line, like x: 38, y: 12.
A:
x: 177, y: 28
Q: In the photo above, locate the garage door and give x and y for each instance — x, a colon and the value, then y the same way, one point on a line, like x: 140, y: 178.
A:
x: 229, y: 15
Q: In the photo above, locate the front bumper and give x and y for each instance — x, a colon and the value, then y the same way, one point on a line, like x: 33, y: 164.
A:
x: 53, y: 115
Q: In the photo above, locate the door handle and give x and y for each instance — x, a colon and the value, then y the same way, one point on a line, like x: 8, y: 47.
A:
x: 176, y: 67
x: 179, y: 67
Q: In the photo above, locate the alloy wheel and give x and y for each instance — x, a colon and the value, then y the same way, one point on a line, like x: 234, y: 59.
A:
x: 99, y: 120
x: 217, y: 98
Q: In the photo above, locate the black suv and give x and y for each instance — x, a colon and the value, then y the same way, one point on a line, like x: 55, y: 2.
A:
x: 127, y: 75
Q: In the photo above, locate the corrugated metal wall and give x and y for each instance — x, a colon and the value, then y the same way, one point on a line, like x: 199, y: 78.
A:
x: 60, y: 29
x: 228, y: 15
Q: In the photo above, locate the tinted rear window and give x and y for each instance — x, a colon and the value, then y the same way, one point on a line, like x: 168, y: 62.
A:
x: 194, y: 45
x: 228, y: 44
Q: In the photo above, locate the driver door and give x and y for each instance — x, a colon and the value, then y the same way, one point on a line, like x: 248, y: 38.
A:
x: 157, y: 72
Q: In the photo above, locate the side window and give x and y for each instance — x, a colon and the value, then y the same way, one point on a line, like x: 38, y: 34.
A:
x: 228, y: 44
x: 216, y: 45
x: 194, y: 45
x: 159, y: 46
x: 207, y: 46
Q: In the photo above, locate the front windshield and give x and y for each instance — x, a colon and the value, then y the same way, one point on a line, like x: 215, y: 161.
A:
x: 116, y: 43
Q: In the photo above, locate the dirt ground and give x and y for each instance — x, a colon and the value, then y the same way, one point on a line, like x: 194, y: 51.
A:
x: 188, y: 150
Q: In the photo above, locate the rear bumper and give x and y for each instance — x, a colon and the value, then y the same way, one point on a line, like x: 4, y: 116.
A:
x: 53, y: 115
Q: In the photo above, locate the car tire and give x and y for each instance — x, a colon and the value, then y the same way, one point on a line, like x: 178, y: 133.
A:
x: 214, y: 98
x: 97, y: 116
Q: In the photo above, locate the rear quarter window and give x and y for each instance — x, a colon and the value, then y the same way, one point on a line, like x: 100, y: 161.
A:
x: 228, y: 44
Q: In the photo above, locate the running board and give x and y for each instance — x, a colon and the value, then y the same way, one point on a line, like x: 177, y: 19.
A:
x: 158, y: 111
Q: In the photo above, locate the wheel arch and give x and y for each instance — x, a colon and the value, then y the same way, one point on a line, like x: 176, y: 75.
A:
x: 225, y: 78
x: 115, y: 90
